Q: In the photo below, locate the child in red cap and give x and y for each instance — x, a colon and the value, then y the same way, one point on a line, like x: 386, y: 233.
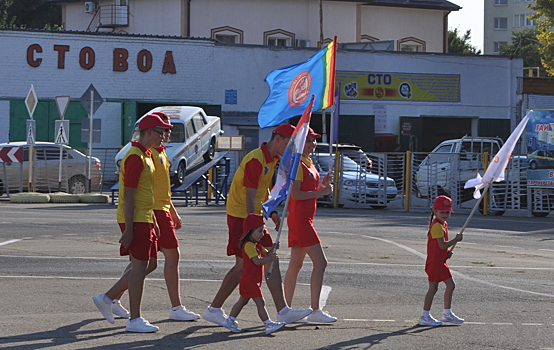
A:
x: 435, y: 266
x: 254, y: 256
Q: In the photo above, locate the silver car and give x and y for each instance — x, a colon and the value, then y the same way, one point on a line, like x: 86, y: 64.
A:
x: 46, y: 168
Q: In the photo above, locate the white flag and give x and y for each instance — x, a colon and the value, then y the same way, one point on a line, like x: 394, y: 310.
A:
x: 495, y: 171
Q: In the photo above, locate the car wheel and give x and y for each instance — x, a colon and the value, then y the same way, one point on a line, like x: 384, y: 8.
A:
x: 179, y: 178
x: 378, y: 206
x: 533, y: 165
x: 209, y: 155
x: 77, y: 184
x: 540, y: 214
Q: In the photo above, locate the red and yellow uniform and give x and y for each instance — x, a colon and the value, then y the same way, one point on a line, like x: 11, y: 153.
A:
x: 162, y: 199
x: 255, y: 171
x: 435, y: 266
x: 252, y: 274
x: 301, y: 213
x: 138, y: 172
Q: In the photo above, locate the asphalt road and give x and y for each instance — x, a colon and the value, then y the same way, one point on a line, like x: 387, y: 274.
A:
x: 55, y: 257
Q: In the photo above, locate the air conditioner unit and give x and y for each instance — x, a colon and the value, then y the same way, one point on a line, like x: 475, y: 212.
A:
x: 302, y: 43
x: 90, y: 7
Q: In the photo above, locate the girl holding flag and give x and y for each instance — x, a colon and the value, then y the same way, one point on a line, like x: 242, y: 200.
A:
x: 303, y: 238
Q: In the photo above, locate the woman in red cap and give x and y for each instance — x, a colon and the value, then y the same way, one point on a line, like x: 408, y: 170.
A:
x: 303, y: 238
x: 250, y: 287
x: 436, y: 267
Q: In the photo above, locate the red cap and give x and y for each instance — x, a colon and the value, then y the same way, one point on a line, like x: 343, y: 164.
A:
x: 443, y: 203
x: 311, y: 133
x: 285, y: 130
x: 252, y: 221
x: 162, y: 115
x: 153, y: 121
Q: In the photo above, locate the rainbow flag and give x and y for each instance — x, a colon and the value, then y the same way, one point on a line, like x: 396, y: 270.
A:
x: 290, y: 87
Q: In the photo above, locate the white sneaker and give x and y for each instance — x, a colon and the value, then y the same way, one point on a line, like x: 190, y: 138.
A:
x: 140, y: 325
x: 293, y: 315
x: 218, y: 316
x: 105, y: 309
x: 320, y: 316
x: 452, y: 319
x: 429, y: 321
x: 273, y: 326
x: 182, y: 314
x: 233, y: 326
x: 119, y: 310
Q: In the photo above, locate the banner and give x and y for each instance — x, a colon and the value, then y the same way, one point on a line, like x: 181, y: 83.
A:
x: 540, y: 149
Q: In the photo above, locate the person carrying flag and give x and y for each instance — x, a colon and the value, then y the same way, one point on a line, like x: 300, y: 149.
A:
x: 303, y: 238
x: 249, y: 189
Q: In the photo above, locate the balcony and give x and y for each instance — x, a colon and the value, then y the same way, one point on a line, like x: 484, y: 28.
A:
x: 109, y: 16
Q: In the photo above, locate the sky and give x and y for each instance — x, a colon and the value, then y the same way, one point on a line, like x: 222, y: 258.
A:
x: 469, y: 17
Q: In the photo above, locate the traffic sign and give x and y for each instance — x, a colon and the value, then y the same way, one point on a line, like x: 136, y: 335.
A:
x: 96, y: 130
x: 31, y: 101
x: 31, y: 131
x: 86, y: 100
x: 62, y: 102
x: 62, y: 132
x: 11, y: 154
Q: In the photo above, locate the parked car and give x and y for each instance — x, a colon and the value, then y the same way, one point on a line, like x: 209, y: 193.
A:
x: 193, y: 139
x: 465, y: 154
x: 541, y: 160
x: 46, y: 169
x: 353, y: 152
x: 357, y: 186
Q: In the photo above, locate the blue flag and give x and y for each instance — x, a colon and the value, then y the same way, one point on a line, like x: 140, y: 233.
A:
x: 289, y: 163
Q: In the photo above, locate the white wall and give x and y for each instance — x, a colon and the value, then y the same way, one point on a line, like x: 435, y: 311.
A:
x: 4, y: 121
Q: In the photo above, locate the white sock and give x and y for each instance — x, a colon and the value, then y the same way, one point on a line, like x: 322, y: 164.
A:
x: 115, y: 301
x: 213, y: 309
x: 284, y: 310
x: 176, y: 308
x: 447, y: 312
x: 231, y: 318
x: 107, y: 300
x: 426, y: 313
x: 267, y: 322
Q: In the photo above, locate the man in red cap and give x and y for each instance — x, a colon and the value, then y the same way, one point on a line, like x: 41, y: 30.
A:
x: 249, y: 189
x: 137, y: 223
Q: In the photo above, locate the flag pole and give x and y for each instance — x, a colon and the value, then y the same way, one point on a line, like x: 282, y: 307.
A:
x: 472, y: 212
x: 284, y: 216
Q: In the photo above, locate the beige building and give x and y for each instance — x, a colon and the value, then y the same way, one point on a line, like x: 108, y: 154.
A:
x: 397, y: 25
x: 502, y: 17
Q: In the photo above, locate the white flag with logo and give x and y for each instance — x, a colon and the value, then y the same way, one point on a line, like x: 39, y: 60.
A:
x: 495, y: 171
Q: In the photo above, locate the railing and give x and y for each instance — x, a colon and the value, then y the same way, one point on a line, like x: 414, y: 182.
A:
x: 109, y: 16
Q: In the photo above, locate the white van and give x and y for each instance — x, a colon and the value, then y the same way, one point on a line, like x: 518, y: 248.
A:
x: 452, y: 163
x: 193, y: 139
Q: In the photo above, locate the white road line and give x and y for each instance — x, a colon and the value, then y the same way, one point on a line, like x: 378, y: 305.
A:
x: 506, y: 246
x: 502, y: 324
x: 532, y: 324
x: 547, y: 250
x: 10, y: 241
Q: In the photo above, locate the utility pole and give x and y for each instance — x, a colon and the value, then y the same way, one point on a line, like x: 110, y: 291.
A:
x: 320, y: 23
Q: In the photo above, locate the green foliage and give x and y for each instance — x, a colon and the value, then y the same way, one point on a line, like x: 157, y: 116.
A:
x: 544, y: 15
x: 39, y: 14
x: 526, y: 45
x: 457, y: 44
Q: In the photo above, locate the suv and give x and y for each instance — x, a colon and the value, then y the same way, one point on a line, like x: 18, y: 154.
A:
x: 451, y: 164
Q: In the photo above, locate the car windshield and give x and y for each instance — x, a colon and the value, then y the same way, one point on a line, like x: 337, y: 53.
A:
x: 177, y: 133
x: 323, y: 160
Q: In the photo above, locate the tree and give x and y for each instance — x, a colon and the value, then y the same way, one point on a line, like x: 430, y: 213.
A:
x: 30, y: 14
x: 544, y: 16
x: 457, y: 44
x: 525, y: 44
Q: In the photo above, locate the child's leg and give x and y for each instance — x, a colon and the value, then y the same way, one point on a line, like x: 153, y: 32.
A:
x: 316, y: 281
x: 448, y: 292
x: 262, y: 311
x: 297, y: 255
x: 433, y: 287
x: 238, y: 306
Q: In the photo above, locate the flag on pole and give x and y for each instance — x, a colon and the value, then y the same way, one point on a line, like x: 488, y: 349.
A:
x: 289, y: 163
x: 290, y: 87
x: 495, y: 170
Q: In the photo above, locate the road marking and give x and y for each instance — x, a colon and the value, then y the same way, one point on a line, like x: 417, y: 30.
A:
x: 506, y: 246
x: 532, y: 324
x: 547, y: 250
x: 502, y: 324
x: 10, y: 241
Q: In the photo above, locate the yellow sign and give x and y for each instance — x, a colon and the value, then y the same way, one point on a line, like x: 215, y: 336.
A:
x: 384, y: 86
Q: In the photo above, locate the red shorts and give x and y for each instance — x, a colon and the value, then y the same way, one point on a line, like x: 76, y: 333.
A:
x: 144, y: 245
x: 168, y: 237
x: 437, y: 272
x: 235, y: 232
x: 250, y: 289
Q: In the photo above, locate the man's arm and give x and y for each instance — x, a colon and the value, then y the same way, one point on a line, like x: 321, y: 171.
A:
x: 129, y: 213
x: 177, y: 221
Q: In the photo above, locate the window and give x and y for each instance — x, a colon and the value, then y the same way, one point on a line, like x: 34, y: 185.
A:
x: 411, y: 44
x: 500, y: 2
x: 228, y: 35
x: 529, y: 22
x: 523, y: 20
x: 189, y: 129
x: 177, y: 133
x: 279, y: 37
x: 198, y: 121
x: 497, y: 45
x: 500, y: 23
